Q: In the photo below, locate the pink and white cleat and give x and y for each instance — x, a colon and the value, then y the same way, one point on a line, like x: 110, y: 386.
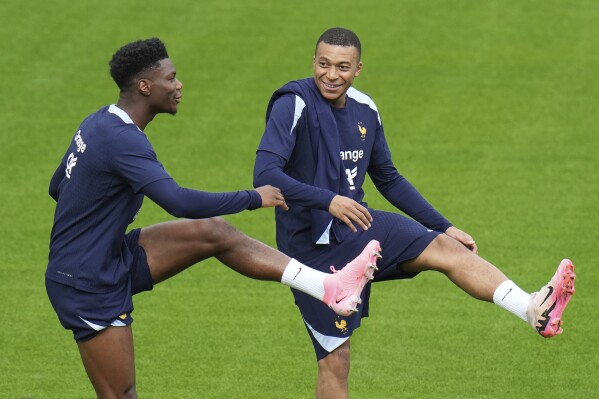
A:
x: 343, y: 288
x: 546, y: 306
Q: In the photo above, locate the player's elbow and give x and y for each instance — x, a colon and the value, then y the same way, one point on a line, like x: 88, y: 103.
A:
x: 267, y: 168
x: 177, y: 210
x: 174, y: 207
x: 266, y: 177
x: 260, y: 178
x: 177, y: 213
x: 258, y: 181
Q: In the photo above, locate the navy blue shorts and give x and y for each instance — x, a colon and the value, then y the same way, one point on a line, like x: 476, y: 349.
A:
x: 401, y: 239
x: 87, y: 313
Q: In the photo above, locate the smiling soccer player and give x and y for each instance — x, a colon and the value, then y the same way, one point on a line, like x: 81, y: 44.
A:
x: 322, y: 138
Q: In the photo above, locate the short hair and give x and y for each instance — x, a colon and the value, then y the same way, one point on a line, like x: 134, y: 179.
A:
x: 134, y: 58
x: 340, y: 37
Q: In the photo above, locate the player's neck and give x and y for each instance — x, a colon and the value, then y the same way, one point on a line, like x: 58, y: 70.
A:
x: 137, y: 111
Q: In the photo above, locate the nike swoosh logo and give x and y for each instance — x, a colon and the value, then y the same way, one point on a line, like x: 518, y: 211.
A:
x: 297, y: 274
x: 548, y: 294
x: 506, y: 294
x: 545, y: 320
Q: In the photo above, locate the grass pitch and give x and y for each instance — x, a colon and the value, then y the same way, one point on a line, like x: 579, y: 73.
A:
x: 490, y: 110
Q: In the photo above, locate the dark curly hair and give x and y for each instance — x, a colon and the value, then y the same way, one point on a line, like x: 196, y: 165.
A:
x: 341, y: 37
x: 134, y: 58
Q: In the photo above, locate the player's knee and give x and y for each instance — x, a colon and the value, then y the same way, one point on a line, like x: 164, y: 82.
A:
x: 130, y: 393
x: 114, y: 393
x: 214, y: 230
x: 443, y: 254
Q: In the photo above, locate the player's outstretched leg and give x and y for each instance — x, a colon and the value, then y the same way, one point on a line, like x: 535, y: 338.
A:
x: 343, y: 288
x: 547, y: 305
x: 172, y: 247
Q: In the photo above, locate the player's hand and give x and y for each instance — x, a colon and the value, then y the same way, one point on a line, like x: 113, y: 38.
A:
x: 272, y: 196
x: 463, y: 238
x: 349, y: 212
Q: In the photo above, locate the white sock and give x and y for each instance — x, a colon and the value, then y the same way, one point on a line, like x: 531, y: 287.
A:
x: 304, y: 279
x: 511, y: 297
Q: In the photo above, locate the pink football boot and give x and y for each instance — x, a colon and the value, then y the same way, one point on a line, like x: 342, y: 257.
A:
x: 343, y: 288
x: 546, y: 306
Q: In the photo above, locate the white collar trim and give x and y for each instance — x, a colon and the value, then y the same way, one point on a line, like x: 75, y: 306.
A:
x: 113, y: 109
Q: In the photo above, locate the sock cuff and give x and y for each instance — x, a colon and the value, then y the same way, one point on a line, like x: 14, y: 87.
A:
x: 290, y: 271
x: 500, y: 292
x: 512, y: 298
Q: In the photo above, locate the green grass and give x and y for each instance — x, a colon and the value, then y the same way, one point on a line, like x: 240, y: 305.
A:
x: 490, y: 110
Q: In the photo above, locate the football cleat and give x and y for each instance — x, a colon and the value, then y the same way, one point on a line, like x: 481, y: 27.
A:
x: 343, y: 288
x: 547, y: 305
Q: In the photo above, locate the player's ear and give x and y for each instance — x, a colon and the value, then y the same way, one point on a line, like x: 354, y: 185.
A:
x: 359, y: 69
x: 143, y: 87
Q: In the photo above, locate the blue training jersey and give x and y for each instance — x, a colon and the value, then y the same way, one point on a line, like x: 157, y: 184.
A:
x: 287, y: 157
x: 361, y: 144
x: 97, y: 189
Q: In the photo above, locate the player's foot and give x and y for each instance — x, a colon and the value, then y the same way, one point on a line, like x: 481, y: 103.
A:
x: 546, y: 306
x: 343, y: 288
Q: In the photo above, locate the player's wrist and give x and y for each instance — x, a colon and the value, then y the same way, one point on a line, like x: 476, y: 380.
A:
x: 255, y: 200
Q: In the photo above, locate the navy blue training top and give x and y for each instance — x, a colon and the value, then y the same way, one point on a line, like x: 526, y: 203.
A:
x: 99, y: 189
x: 286, y: 158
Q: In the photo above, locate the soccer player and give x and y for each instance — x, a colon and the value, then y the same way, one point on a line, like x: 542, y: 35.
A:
x: 94, y: 268
x: 321, y: 138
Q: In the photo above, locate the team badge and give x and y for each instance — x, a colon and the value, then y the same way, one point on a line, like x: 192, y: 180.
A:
x: 362, y: 130
x: 341, y: 325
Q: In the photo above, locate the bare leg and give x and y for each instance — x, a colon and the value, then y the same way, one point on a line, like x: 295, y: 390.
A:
x: 172, y: 247
x: 109, y: 362
x: 333, y: 374
x: 468, y: 271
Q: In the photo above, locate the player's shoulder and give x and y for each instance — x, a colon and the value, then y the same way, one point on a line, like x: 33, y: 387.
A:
x: 289, y: 98
x: 361, y: 98
x: 119, y: 124
x: 288, y: 104
x: 109, y: 120
x: 113, y: 130
x: 364, y: 102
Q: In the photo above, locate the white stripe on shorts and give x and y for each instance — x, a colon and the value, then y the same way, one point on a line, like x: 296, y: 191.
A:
x: 327, y: 342
x: 97, y: 327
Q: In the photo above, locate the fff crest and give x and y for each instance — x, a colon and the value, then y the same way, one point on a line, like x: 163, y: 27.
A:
x: 362, y: 130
